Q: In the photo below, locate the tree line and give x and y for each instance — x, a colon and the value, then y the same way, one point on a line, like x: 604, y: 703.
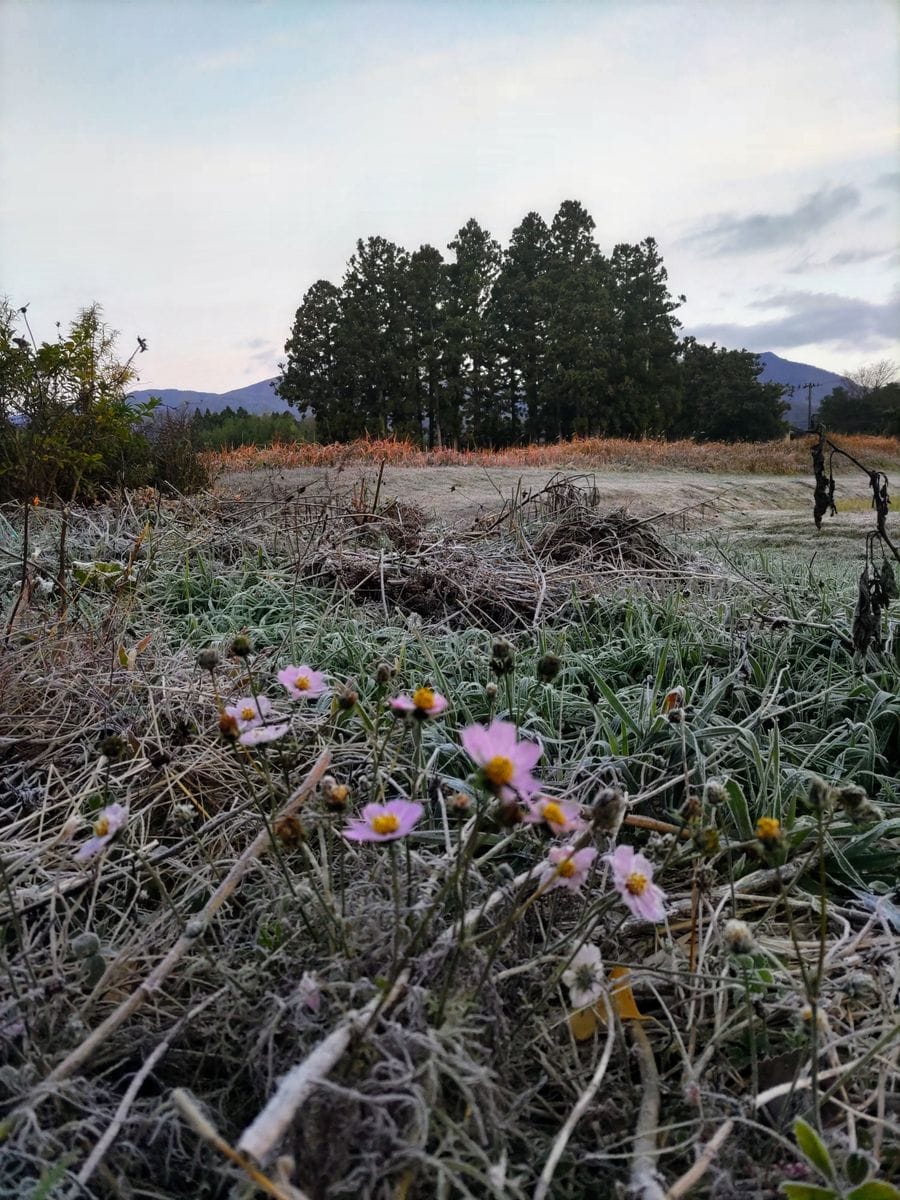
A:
x: 545, y: 339
x: 238, y: 427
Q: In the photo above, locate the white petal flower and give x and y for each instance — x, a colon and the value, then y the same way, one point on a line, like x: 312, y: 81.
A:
x: 584, y: 977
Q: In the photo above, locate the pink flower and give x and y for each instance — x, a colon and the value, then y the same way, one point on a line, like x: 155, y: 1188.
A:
x: 425, y: 702
x: 505, y: 762
x: 567, y: 868
x: 249, y: 711
x: 263, y: 733
x: 633, y: 880
x: 561, y: 817
x: 106, y: 827
x: 384, y: 822
x: 303, y: 683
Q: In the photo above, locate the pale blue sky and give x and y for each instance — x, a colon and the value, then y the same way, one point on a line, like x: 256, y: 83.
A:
x: 195, y: 166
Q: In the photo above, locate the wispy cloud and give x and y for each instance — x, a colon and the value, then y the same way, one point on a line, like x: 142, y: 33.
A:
x: 730, y: 234
x: 845, y: 323
x: 843, y: 258
x: 890, y: 179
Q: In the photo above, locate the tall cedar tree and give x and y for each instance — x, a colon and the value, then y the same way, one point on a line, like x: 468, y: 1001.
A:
x: 470, y: 357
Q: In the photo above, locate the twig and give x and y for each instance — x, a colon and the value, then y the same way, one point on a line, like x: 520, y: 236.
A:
x: 269, y: 1126
x: 682, y: 1186
x: 644, y: 1181
x: 205, y: 1129
x: 581, y: 1105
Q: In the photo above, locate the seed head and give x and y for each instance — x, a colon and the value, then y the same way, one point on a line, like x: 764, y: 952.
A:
x: 208, y: 660
x: 737, y: 936
x: 228, y: 727
x: 113, y: 747
x: 461, y: 802
x: 491, y: 691
x: 289, y: 831
x: 84, y: 945
x: 714, y: 792
x: 384, y: 672
x: 820, y: 796
x: 346, y: 698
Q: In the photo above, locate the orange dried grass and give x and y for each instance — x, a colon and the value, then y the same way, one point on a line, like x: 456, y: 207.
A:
x: 754, y: 458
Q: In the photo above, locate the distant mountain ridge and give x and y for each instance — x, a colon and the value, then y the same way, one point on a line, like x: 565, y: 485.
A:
x: 261, y: 397
x: 256, y: 398
x: 795, y: 375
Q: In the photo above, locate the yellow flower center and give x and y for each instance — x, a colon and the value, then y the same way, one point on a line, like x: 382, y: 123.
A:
x: 768, y: 829
x: 102, y: 827
x: 566, y: 868
x: 636, y: 883
x: 423, y: 698
x: 553, y: 813
x: 301, y: 683
x: 248, y: 713
x: 386, y: 823
x: 498, y: 770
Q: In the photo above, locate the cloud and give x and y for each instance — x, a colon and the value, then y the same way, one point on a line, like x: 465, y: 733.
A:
x: 731, y: 234
x: 843, y: 258
x: 257, y: 343
x: 846, y: 323
x: 890, y: 179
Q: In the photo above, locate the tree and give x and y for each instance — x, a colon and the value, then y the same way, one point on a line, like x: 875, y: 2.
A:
x: 644, y: 363
x: 517, y: 314
x: 313, y: 375
x: 67, y: 427
x: 578, y: 329
x: 876, y: 410
x: 871, y: 377
x: 470, y: 353
x: 722, y: 398
x: 426, y: 292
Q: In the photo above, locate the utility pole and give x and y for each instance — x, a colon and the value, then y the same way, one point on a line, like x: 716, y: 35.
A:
x: 809, y: 391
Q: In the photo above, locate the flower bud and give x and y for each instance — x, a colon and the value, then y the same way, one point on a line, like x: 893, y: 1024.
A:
x: 84, y: 945
x: 346, y: 698
x: 503, y: 657
x: 820, y: 796
x: 208, y: 660
x: 491, y: 691
x: 548, y: 667
x: 461, y: 802
x: 113, y: 747
x: 607, y: 810
x: 241, y: 647
x: 384, y: 672
x: 228, y: 727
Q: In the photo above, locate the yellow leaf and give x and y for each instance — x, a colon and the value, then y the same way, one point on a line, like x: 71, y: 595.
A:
x: 123, y: 657
x: 622, y: 997
x: 583, y: 1023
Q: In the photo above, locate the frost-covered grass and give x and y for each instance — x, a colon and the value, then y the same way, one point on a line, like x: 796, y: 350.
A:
x: 420, y: 991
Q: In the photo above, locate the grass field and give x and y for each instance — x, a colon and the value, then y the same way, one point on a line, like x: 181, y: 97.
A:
x: 231, y: 997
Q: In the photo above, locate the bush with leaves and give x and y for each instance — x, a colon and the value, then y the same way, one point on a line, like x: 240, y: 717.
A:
x: 67, y: 428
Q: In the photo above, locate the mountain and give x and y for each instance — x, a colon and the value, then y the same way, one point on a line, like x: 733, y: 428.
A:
x: 255, y: 398
x: 261, y: 398
x: 795, y: 375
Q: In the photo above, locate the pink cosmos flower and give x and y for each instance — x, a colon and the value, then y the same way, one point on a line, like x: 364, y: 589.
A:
x: 425, y: 702
x: 505, y: 762
x: 249, y: 711
x: 106, y: 827
x: 384, y: 822
x: 561, y: 817
x: 303, y: 683
x: 633, y: 880
x: 567, y: 868
x: 261, y: 734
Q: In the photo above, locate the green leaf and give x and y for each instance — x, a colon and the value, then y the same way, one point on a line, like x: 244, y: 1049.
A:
x: 808, y: 1191
x: 875, y: 1189
x: 813, y: 1148
x: 858, y: 1167
x: 737, y: 803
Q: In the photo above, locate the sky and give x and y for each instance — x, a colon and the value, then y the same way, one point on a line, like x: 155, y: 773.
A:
x: 195, y: 165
